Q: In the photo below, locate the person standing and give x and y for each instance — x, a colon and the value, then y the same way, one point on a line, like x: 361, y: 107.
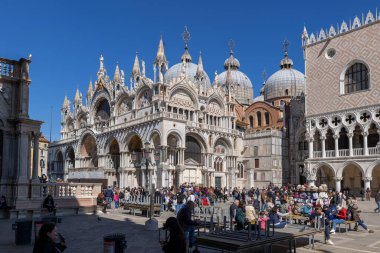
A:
x: 368, y: 194
x: 233, y: 208
x: 176, y: 242
x: 185, y: 222
x: 377, y: 200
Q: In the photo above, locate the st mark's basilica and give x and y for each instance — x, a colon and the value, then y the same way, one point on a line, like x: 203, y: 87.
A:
x: 183, y: 126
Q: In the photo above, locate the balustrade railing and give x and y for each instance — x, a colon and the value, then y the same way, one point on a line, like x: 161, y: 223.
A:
x: 7, y: 68
x: 330, y: 153
x: 317, y: 154
x: 374, y: 150
x: 344, y: 152
x: 358, y: 151
x: 68, y: 190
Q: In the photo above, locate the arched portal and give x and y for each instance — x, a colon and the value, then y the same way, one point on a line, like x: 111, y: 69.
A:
x: 57, y: 168
x: 325, y: 175
x: 193, y: 150
x: 375, y: 183
x: 70, y: 157
x: 103, y: 111
x: 89, y: 151
x: 135, y: 149
x: 114, y: 161
x: 352, y: 179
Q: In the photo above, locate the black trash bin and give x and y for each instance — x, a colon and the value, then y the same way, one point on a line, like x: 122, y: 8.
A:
x: 23, y: 231
x: 114, y: 243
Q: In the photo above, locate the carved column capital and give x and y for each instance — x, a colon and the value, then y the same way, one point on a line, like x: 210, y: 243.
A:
x: 367, y: 179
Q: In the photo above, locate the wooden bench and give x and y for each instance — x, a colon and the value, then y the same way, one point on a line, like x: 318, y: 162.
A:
x: 143, y: 207
x: 298, y: 218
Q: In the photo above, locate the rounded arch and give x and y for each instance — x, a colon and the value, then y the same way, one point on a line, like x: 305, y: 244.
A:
x: 342, y: 77
x: 177, y: 135
x: 325, y: 174
x: 194, y: 148
x: 80, y: 140
x: 127, y: 139
x: 70, y: 156
x: 339, y: 172
x: 186, y: 90
x: 371, y: 167
x: 108, y: 143
x: 155, y: 138
x: 352, y: 175
x: 101, y: 107
x: 59, y: 156
x: 200, y: 139
x: 375, y: 176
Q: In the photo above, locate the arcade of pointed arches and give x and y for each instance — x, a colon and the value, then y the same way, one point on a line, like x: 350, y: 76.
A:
x: 351, y: 175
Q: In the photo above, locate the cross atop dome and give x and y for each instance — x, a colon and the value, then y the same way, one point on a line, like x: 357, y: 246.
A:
x: 186, y: 57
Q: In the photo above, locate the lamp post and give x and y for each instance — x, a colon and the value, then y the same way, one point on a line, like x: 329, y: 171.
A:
x: 147, y: 152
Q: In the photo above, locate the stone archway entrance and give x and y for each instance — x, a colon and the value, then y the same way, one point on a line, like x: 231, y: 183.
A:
x: 325, y: 175
x: 375, y: 183
x: 57, y: 168
x: 89, y: 152
x: 135, y: 149
x: 352, y: 179
x: 113, y: 162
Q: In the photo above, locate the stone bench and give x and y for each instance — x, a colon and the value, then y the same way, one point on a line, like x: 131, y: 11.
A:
x: 298, y: 218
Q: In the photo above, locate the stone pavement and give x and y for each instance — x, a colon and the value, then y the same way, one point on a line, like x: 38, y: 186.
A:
x: 84, y: 233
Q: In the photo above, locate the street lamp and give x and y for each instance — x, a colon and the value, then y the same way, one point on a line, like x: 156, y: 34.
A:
x: 147, y: 152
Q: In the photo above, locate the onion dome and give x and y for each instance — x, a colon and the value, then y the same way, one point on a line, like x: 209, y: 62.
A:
x: 287, y: 82
x: 186, y: 68
x: 242, y: 84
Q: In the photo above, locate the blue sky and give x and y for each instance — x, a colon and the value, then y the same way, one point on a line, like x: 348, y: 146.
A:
x: 67, y: 37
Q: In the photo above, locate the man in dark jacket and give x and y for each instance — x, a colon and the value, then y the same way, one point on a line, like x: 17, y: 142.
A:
x: 185, y: 222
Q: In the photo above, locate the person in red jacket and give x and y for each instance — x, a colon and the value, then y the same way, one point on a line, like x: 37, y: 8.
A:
x: 339, y: 218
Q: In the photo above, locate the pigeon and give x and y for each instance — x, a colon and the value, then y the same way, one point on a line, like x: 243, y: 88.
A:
x: 99, y: 219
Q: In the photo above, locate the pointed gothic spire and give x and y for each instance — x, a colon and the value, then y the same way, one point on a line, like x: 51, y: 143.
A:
x: 136, y: 67
x: 90, y: 91
x: 78, y: 98
x: 160, y: 57
x: 200, y: 74
x: 116, y: 76
x: 66, y: 102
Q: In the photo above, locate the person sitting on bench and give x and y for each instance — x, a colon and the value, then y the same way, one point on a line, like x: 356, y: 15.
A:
x: 275, y: 217
x: 49, y: 204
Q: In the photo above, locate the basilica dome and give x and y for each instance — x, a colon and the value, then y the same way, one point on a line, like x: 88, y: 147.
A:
x: 242, y: 85
x: 191, y: 70
x: 287, y: 82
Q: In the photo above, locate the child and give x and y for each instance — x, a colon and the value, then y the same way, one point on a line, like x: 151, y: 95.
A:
x: 116, y: 200
x: 263, y: 219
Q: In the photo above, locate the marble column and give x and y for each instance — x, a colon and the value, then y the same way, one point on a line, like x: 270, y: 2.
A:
x: 336, y: 142
x: 351, y: 150
x: 367, y: 183
x: 338, y: 183
x: 365, y: 142
x: 311, y: 147
x: 323, y: 143
x: 36, y: 155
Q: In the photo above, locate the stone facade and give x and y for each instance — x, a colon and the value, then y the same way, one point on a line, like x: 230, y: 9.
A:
x: 191, y: 130
x: 342, y: 108
x: 17, y: 131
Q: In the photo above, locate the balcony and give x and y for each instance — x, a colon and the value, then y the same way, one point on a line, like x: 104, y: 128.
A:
x: 372, y: 151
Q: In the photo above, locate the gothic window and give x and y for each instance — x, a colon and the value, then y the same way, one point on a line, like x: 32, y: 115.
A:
x: 258, y: 119
x: 251, y: 121
x: 218, y: 164
x: 356, y: 78
x: 241, y: 170
x: 266, y: 116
